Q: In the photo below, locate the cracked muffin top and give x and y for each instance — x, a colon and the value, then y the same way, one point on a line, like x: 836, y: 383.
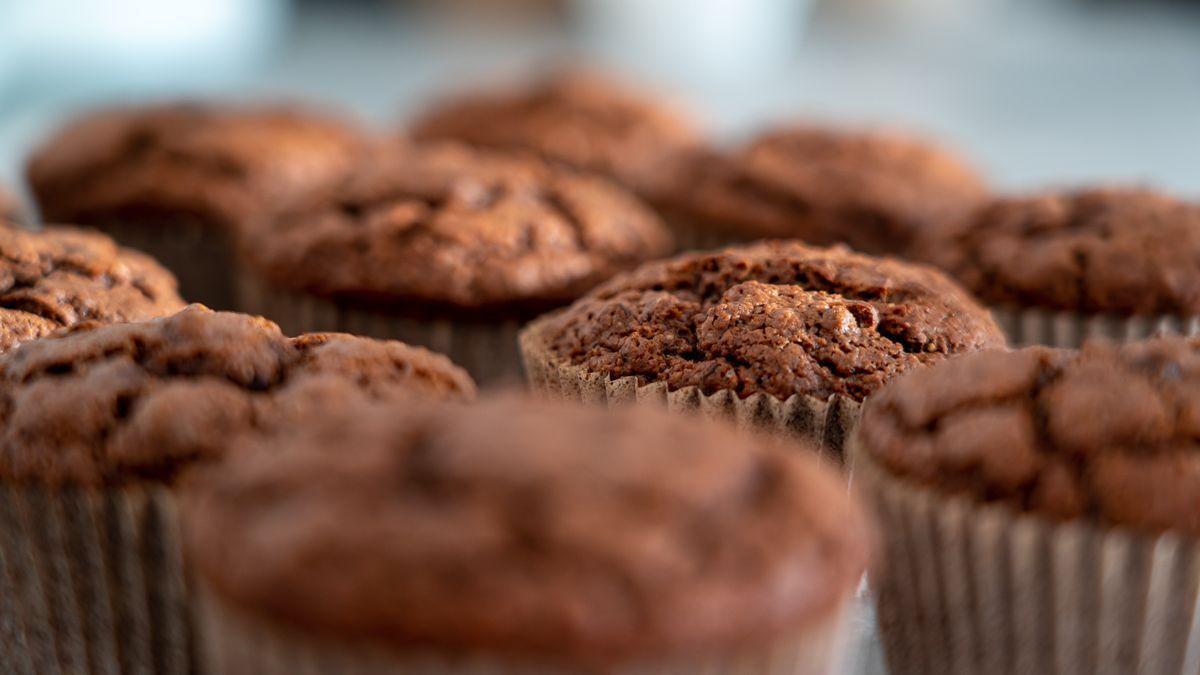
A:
x: 1100, y: 250
x: 143, y: 402
x: 577, y: 118
x: 227, y: 164
x: 776, y: 317
x: 529, y: 529
x: 1106, y: 434
x: 62, y: 276
x: 874, y: 191
x: 450, y: 228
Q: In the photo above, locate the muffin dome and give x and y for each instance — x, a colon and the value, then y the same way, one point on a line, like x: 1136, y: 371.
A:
x: 525, y: 529
x: 445, y: 228
x: 874, y: 191
x: 579, y: 119
x: 1110, y: 250
x: 61, y: 276
x: 228, y: 164
x: 1108, y: 433
x: 775, y: 317
x: 108, y: 405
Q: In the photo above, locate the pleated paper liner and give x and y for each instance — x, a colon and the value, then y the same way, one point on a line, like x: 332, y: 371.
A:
x: 825, y: 422
x: 486, y: 350
x: 199, y: 253
x: 238, y: 644
x: 1025, y: 327
x: 970, y: 588
x: 91, y: 581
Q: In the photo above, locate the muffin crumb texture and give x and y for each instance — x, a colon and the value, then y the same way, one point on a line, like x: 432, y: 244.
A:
x: 60, y: 277
x: 106, y: 405
x: 452, y: 228
x: 526, y: 530
x: 1108, y: 250
x: 777, y: 317
x: 1108, y: 434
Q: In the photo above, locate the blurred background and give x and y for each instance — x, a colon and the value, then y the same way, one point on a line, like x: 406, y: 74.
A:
x: 1038, y: 91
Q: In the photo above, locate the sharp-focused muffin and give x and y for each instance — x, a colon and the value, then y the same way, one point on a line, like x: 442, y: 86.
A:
x: 444, y: 235
x: 61, y: 276
x: 580, y: 119
x: 519, y: 534
x: 1115, y: 251
x: 1050, y: 482
x: 179, y: 180
x: 874, y: 191
x: 775, y: 318
x: 99, y: 425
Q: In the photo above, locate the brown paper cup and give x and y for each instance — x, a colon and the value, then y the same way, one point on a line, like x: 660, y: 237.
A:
x: 199, y: 253
x: 242, y: 645
x: 487, y: 350
x: 824, y: 422
x: 91, y: 581
x: 1030, y: 326
x: 970, y: 588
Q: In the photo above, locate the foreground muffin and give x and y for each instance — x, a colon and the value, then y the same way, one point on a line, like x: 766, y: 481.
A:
x: 99, y: 426
x: 523, y: 536
x: 1040, y: 510
x: 448, y: 247
x: 580, y: 119
x: 179, y: 180
x: 775, y: 334
x: 874, y: 191
x: 1061, y: 267
x: 61, y: 276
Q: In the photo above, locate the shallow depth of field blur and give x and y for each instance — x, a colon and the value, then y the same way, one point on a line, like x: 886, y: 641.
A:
x: 1037, y: 91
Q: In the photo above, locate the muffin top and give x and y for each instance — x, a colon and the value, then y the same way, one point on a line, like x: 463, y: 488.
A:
x: 142, y: 402
x: 528, y: 529
x: 1105, y: 250
x: 63, y: 276
x: 452, y: 228
x: 224, y: 163
x: 1106, y: 434
x: 776, y: 317
x: 581, y: 119
x: 874, y: 191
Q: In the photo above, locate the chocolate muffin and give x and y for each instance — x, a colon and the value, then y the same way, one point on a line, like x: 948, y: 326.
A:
x: 581, y: 119
x: 98, y: 427
x: 446, y: 246
x: 875, y: 191
x: 1061, y: 486
x: 60, y: 277
x: 777, y: 333
x: 1060, y: 267
x: 179, y: 180
x: 523, y: 536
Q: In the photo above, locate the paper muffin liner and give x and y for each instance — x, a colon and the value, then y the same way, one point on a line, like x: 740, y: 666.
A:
x: 827, y: 423
x: 238, y: 644
x: 964, y: 587
x: 92, y: 581
x: 1034, y: 326
x: 199, y: 253
x: 488, y: 351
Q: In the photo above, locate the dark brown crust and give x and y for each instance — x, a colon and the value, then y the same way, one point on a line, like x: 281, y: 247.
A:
x: 223, y: 165
x: 873, y: 191
x: 1103, y: 250
x: 523, y: 528
x: 776, y: 317
x: 109, y: 405
x: 450, y: 228
x: 1107, y: 435
x: 62, y: 276
x: 579, y: 119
